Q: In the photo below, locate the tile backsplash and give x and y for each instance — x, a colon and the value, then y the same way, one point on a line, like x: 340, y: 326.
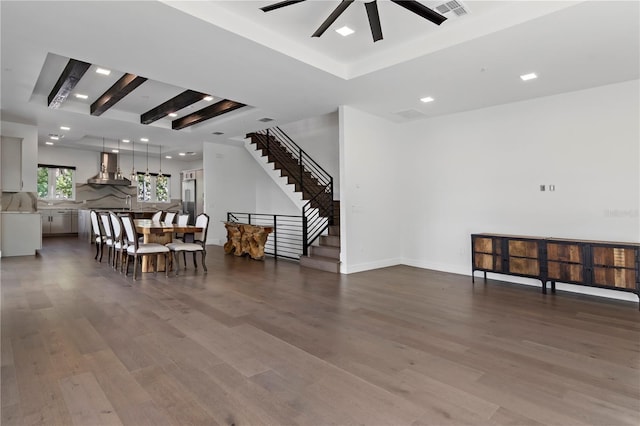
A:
x: 19, y: 202
x: 87, y: 197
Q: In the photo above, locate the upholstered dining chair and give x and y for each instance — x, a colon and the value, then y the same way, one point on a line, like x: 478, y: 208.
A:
x: 156, y: 216
x: 169, y: 216
x: 108, y: 234
x: 135, y: 249
x: 119, y: 242
x: 98, y: 236
x: 198, y: 245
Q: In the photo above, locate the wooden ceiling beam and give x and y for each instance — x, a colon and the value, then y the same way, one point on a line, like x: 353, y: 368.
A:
x: 184, y: 99
x: 219, y: 108
x: 70, y: 76
x: 121, y: 88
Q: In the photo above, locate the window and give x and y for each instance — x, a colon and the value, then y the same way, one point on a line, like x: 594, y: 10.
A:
x: 155, y: 189
x: 56, y: 182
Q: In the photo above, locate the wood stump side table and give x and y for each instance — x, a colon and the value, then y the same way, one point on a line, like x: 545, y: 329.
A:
x: 243, y: 238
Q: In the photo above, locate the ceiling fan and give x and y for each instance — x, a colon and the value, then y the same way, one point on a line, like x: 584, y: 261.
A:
x: 372, y: 14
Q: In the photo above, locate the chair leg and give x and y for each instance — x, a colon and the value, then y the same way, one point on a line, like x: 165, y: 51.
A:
x: 204, y: 265
x: 101, y: 251
x: 177, y: 257
x: 195, y: 265
x: 135, y: 266
x: 97, y: 251
x: 184, y: 257
x: 166, y: 264
x: 126, y: 264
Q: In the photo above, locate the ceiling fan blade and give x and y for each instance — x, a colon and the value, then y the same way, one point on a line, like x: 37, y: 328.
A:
x: 334, y: 15
x: 374, y: 20
x: 279, y: 5
x: 420, y: 9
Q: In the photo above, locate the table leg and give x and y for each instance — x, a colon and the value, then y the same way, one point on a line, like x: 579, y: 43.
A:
x: 147, y: 261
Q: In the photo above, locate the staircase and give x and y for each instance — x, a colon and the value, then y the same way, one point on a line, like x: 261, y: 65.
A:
x: 321, y: 212
x: 326, y: 255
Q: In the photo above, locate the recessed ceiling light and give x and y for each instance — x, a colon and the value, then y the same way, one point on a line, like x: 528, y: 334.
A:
x: 173, y: 114
x: 530, y: 76
x: 115, y: 151
x: 54, y: 137
x: 103, y: 71
x: 81, y: 96
x: 65, y: 128
x: 208, y: 98
x: 144, y: 140
x: 427, y: 99
x: 168, y: 157
x: 182, y: 154
x: 48, y: 143
x: 126, y: 140
x: 217, y: 133
x: 345, y: 31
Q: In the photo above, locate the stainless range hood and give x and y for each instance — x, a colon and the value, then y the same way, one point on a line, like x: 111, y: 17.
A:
x: 108, y: 175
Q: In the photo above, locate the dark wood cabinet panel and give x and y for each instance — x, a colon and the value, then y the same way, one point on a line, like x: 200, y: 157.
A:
x: 611, y: 265
x: 565, y: 272
x: 524, y: 266
x: 564, y: 252
x: 614, y: 256
x: 616, y: 277
x: 522, y: 248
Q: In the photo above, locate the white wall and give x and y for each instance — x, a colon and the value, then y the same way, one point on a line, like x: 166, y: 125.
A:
x: 234, y: 182
x: 370, y: 217
x: 319, y: 137
x: 480, y: 171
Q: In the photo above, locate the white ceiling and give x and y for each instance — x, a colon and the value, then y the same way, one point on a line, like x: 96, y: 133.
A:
x: 231, y: 49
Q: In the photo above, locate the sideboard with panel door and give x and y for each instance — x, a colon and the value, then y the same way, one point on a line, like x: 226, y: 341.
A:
x: 604, y: 264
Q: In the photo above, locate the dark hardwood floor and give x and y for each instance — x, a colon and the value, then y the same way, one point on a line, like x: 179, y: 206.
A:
x: 255, y: 343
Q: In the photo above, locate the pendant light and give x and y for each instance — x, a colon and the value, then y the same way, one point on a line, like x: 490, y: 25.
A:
x: 119, y: 172
x: 134, y: 176
x: 147, y: 176
x: 160, y: 171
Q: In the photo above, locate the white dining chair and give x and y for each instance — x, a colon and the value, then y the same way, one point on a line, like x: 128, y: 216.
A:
x: 98, y: 236
x: 198, y: 245
x: 169, y: 216
x: 135, y: 249
x: 108, y: 234
x: 119, y: 242
x: 156, y: 216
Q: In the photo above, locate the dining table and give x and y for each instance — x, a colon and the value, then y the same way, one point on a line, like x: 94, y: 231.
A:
x: 160, y: 233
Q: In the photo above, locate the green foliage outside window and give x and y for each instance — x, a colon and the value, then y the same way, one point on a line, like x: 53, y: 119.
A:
x: 162, y: 189
x: 153, y: 189
x: 43, y: 182
x: 56, y: 183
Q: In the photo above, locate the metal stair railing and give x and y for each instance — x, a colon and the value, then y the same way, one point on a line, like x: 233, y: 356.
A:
x: 285, y: 241
x: 312, y: 180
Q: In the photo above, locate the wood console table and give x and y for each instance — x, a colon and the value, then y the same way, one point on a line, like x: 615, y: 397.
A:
x: 604, y: 264
x: 243, y: 238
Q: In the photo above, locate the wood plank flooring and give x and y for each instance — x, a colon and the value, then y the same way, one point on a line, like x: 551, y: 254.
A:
x: 254, y: 343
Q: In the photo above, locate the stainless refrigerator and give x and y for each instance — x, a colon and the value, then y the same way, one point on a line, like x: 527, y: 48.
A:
x: 192, y: 193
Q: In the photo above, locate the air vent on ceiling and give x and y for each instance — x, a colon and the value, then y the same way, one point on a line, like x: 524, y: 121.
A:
x: 217, y: 133
x: 410, y: 114
x: 455, y: 6
x: 266, y: 119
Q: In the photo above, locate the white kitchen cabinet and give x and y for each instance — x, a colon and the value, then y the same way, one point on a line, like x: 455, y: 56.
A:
x: 21, y: 234
x: 11, y: 164
x: 56, y: 222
